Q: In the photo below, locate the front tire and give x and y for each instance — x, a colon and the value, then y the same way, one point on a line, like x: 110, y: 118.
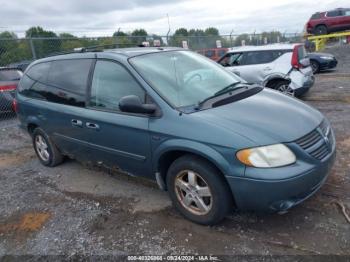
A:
x: 284, y: 87
x: 45, y: 149
x: 198, y: 190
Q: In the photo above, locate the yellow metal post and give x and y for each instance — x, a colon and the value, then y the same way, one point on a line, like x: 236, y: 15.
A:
x: 321, y: 40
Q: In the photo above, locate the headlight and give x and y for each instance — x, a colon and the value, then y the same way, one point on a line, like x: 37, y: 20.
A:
x: 327, y: 57
x: 267, y: 156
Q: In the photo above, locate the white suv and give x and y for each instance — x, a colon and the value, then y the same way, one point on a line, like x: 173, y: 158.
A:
x: 284, y: 67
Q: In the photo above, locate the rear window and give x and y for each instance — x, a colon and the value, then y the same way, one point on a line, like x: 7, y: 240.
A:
x: 301, y: 52
x: 10, y: 75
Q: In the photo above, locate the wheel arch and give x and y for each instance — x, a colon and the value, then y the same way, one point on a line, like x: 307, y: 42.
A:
x: 272, y: 80
x: 31, y: 124
x: 318, y: 25
x: 167, y: 153
x: 322, y: 24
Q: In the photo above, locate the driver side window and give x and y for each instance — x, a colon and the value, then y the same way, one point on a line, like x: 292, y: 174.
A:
x: 231, y: 59
x: 110, y: 83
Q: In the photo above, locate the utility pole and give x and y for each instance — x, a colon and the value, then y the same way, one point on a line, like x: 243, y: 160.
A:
x: 116, y: 38
x: 167, y: 35
x: 32, y: 46
x: 231, y: 38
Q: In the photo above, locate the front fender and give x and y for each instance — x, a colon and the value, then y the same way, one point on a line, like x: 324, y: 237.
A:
x: 192, y: 147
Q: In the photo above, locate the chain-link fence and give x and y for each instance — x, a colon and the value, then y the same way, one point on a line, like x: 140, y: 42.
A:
x: 19, y: 53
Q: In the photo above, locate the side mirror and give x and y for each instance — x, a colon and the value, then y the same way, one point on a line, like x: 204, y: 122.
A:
x: 133, y: 104
x: 236, y: 72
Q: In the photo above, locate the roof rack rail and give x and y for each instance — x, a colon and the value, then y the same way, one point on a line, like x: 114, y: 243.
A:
x: 96, y: 48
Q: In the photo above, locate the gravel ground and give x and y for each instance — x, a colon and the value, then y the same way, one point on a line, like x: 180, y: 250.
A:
x: 79, y: 210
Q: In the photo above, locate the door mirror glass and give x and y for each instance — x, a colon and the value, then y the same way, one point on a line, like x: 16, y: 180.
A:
x: 133, y: 104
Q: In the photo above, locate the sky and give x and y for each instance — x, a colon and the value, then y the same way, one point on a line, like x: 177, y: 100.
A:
x: 103, y: 17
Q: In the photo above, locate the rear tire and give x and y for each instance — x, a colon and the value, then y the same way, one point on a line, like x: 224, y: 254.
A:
x: 315, y: 66
x: 283, y: 87
x: 45, y: 149
x: 198, y: 190
x: 321, y: 30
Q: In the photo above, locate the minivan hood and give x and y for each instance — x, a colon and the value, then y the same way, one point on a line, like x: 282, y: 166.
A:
x: 265, y: 118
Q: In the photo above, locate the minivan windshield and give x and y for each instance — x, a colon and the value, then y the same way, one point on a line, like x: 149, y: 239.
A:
x: 183, y: 78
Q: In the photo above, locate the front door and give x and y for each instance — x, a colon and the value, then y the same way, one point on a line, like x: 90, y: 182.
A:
x: 117, y: 139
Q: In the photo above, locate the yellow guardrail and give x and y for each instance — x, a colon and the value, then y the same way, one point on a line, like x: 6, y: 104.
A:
x: 321, y: 40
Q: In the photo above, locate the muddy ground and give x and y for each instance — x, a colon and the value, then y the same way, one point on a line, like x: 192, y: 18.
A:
x: 73, y: 209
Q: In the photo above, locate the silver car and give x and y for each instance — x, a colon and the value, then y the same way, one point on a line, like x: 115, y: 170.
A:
x: 283, y: 67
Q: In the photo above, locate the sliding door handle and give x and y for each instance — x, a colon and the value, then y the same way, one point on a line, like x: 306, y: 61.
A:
x: 92, y: 126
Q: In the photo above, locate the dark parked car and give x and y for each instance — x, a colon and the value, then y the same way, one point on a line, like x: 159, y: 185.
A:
x: 20, y: 65
x: 322, y: 61
x: 330, y: 21
x: 171, y: 115
x: 9, y: 78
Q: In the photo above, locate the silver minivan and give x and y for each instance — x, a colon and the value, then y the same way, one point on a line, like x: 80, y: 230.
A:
x: 283, y: 67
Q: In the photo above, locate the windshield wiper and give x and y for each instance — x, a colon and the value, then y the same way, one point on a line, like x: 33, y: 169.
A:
x: 226, y: 89
x: 218, y: 93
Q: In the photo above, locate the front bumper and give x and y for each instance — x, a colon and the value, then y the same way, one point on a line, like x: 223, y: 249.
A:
x: 329, y: 64
x: 279, y: 195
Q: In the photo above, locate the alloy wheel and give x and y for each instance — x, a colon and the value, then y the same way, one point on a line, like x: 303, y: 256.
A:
x: 193, y: 192
x: 286, y: 89
x: 42, y: 148
x: 314, y: 67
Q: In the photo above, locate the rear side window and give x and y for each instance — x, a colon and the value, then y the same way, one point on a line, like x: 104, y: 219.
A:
x: 36, y: 73
x: 10, y: 75
x: 70, y: 75
x: 316, y: 16
x: 39, y: 72
x: 24, y: 85
x: 62, y: 81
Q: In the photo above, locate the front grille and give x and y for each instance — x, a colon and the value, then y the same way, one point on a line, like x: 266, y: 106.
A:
x: 319, y: 142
